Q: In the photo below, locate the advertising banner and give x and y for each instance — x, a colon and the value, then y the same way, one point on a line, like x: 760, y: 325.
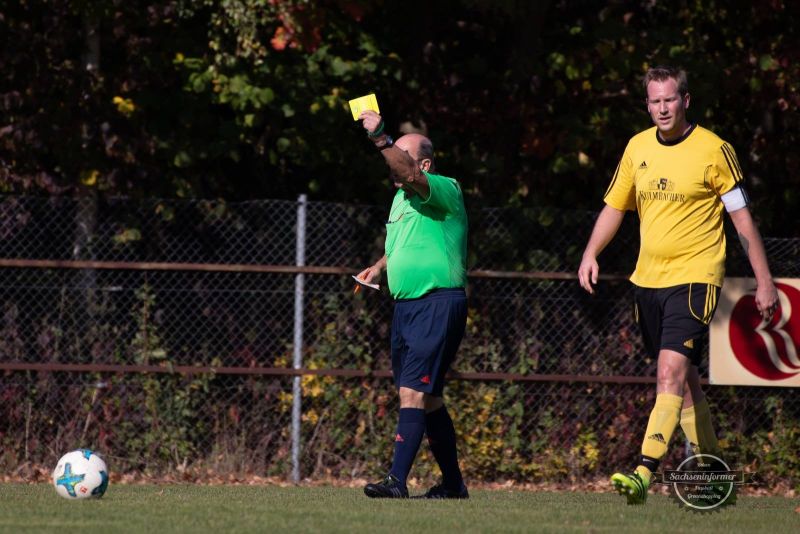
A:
x: 746, y: 350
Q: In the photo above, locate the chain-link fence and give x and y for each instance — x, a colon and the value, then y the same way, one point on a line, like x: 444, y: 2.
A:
x: 165, y: 334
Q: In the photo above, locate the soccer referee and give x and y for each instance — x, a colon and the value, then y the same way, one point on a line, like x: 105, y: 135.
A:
x: 679, y: 177
x: 425, y: 260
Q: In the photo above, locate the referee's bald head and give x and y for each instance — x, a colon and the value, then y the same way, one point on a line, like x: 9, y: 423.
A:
x: 418, y: 147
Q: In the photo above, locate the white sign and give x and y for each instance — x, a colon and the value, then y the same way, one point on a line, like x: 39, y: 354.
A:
x: 746, y: 350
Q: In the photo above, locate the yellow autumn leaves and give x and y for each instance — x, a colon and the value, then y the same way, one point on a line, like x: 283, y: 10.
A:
x: 124, y: 105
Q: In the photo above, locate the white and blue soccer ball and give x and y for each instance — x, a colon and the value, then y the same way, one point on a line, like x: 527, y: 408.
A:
x: 81, y: 474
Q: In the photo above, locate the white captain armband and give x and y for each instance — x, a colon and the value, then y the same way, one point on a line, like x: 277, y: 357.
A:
x: 735, y: 199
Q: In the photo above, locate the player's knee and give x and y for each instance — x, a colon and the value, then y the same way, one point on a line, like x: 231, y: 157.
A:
x: 672, y: 372
x: 670, y: 380
x: 669, y: 373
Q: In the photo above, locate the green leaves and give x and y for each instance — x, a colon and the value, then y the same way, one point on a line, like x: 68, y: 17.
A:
x: 767, y: 62
x: 197, y: 98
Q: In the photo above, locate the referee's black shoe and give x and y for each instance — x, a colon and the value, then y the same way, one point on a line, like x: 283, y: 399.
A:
x: 388, y: 488
x: 440, y: 491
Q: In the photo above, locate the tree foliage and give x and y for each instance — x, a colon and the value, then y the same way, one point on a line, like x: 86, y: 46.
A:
x: 527, y: 102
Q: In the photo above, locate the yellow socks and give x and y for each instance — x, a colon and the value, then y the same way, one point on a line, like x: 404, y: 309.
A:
x: 663, y: 420
x: 696, y: 424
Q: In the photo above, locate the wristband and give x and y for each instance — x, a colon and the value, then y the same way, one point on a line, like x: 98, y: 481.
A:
x: 377, y: 132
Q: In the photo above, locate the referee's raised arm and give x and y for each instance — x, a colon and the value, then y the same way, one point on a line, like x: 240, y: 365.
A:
x: 405, y: 170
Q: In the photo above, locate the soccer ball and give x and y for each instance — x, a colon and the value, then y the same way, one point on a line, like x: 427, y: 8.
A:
x: 81, y: 474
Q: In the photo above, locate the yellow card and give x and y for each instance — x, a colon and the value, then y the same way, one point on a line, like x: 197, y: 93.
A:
x: 357, y: 105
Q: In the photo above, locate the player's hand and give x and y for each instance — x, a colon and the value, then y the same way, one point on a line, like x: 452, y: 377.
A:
x: 767, y: 300
x: 370, y: 120
x: 587, y: 274
x: 370, y: 275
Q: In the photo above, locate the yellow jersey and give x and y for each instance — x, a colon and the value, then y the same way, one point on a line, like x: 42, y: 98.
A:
x: 676, y: 188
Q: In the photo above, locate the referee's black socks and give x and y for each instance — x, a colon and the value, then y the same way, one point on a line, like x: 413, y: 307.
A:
x: 410, y: 429
x: 442, y: 440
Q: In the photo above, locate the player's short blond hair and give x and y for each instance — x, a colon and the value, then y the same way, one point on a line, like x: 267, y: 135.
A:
x: 661, y: 73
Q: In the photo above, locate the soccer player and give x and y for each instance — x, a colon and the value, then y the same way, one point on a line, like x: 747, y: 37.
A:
x: 679, y: 177
x: 425, y: 260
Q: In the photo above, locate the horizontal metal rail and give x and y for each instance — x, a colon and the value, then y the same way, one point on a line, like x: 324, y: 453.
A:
x: 252, y: 268
x: 282, y: 371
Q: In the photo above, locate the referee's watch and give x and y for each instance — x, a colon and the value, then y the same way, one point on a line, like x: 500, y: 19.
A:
x: 387, y: 143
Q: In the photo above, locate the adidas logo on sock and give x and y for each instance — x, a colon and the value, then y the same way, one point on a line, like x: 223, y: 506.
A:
x: 643, y: 165
x: 658, y: 436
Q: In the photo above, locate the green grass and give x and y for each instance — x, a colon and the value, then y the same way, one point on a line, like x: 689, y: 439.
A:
x: 174, y: 508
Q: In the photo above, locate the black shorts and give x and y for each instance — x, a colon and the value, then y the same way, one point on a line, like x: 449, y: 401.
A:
x: 675, y: 318
x: 426, y: 333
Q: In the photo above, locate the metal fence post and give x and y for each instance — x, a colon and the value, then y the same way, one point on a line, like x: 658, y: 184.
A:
x: 299, y: 283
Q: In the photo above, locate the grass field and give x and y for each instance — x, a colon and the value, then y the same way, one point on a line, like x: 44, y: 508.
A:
x: 175, y: 508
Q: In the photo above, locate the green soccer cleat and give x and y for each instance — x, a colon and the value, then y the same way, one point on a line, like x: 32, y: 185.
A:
x: 632, y: 486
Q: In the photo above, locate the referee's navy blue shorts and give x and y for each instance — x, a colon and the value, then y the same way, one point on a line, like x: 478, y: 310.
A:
x: 426, y: 333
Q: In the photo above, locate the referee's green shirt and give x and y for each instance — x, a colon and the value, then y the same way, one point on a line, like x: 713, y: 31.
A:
x: 426, y: 240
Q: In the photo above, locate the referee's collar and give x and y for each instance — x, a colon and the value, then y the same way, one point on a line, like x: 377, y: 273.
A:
x: 677, y: 139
